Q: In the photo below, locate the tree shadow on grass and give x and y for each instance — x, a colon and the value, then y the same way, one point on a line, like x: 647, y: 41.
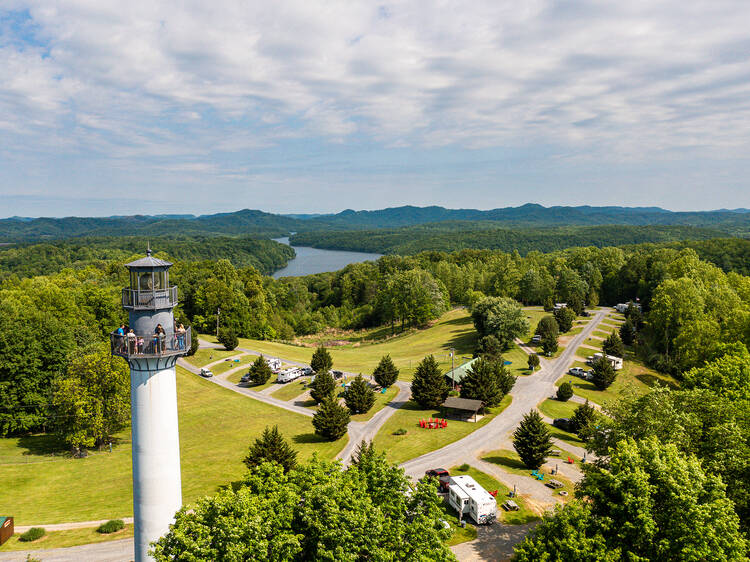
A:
x: 463, y: 343
x: 462, y: 321
x: 308, y: 438
x: 44, y: 444
x: 504, y: 460
x: 651, y: 381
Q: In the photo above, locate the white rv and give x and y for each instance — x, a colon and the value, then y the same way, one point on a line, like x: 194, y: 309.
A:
x: 288, y: 375
x: 274, y: 364
x: 468, y: 497
x: 616, y: 362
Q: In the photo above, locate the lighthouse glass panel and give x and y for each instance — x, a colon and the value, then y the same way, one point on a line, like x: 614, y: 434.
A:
x: 134, y: 280
x: 159, y: 280
x: 146, y: 282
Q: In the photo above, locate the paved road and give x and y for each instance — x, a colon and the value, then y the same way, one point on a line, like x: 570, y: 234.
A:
x: 111, y: 551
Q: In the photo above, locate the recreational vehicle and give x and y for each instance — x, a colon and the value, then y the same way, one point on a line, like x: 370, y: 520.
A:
x: 616, y: 362
x: 288, y: 375
x: 468, y: 497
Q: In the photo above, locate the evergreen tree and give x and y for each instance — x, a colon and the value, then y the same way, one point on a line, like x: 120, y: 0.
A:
x: 604, y: 374
x: 548, y: 330
x: 582, y: 417
x: 565, y: 392
x: 331, y: 419
x: 385, y: 373
x: 228, y: 338
x: 321, y: 361
x: 364, y: 453
x: 259, y: 371
x: 322, y: 386
x: 489, y: 346
x: 564, y: 317
x: 533, y: 362
x: 627, y: 332
x: 194, y: 342
x: 429, y: 389
x: 532, y: 440
x: 613, y: 345
x: 505, y: 380
x: 481, y: 382
x: 359, y: 396
x: 272, y: 447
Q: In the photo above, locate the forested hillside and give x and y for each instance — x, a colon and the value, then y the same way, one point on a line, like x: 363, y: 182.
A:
x: 453, y: 236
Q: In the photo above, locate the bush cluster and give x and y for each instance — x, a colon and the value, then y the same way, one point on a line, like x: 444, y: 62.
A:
x: 111, y: 526
x: 33, y: 534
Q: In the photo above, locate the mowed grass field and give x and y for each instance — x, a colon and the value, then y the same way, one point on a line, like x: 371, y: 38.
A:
x: 62, y: 539
x: 418, y: 440
x: 454, y: 329
x: 216, y: 428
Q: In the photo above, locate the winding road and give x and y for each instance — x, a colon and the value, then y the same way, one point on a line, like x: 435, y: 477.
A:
x: 493, y: 543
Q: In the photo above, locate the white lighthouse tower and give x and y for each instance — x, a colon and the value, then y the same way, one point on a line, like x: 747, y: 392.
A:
x: 151, y: 348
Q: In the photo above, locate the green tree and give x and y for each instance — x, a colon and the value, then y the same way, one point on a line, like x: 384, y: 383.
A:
x: 565, y: 317
x: 322, y: 386
x: 489, y: 346
x: 316, y: 512
x: 331, y: 419
x: 92, y: 401
x: 548, y: 330
x: 533, y: 361
x: 501, y: 317
x: 359, y: 396
x: 259, y: 371
x: 636, y: 508
x: 628, y: 332
x: 565, y: 392
x: 532, y: 440
x: 429, y: 388
x: 321, y: 361
x: 482, y: 382
x: 604, y: 374
x: 726, y: 375
x: 228, y: 338
x: 385, y: 373
x: 271, y: 447
x: 613, y: 345
x: 582, y: 419
x: 194, y: 342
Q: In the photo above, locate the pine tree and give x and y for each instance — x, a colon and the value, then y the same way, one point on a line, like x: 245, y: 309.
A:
x: 364, y: 453
x: 321, y: 361
x: 533, y: 362
x: 532, y: 440
x: 331, y: 419
x: 548, y: 330
x: 386, y: 372
x: 565, y: 392
x: 259, y: 371
x: 322, y: 386
x: 359, y: 396
x: 194, y: 342
x: 272, y: 447
x: 613, y: 345
x: 228, y: 338
x: 604, y: 374
x: 486, y: 380
x: 583, y: 415
x: 627, y: 332
x: 429, y: 389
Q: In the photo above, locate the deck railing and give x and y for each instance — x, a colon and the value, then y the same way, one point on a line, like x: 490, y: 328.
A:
x: 150, y: 345
x: 153, y: 299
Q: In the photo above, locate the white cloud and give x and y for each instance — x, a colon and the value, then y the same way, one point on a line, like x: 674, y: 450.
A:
x: 150, y: 81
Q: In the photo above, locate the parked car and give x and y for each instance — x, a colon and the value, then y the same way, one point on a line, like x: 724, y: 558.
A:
x: 589, y: 375
x: 206, y: 373
x: 337, y: 374
x: 307, y: 371
x: 536, y: 339
x: 245, y: 377
x: 443, y: 478
x: 577, y: 372
x: 562, y: 423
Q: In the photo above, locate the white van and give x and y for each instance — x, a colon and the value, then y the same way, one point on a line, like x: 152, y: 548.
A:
x: 466, y: 496
x: 288, y: 375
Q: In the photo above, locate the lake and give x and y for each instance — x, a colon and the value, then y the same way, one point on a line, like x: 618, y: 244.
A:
x: 314, y: 260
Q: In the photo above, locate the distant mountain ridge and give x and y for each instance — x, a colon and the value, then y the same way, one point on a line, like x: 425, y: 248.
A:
x: 734, y: 222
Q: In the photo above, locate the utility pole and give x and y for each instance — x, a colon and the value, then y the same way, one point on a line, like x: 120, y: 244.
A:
x: 453, y: 378
x: 218, y: 313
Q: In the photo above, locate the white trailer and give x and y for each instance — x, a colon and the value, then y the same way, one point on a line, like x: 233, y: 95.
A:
x: 615, y: 361
x: 273, y: 363
x: 469, y: 498
x: 288, y: 375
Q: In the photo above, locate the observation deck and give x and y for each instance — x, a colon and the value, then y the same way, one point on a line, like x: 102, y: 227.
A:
x: 150, y: 346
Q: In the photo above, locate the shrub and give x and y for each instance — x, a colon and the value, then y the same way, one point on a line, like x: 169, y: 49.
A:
x: 33, y: 534
x: 565, y: 392
x: 228, y: 338
x: 400, y: 431
x: 111, y: 526
x: 464, y: 467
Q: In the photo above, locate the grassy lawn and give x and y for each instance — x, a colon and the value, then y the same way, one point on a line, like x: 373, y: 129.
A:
x: 575, y: 330
x: 523, y: 515
x: 453, y: 330
x: 225, y: 366
x: 235, y: 378
x: 567, y: 437
x: 216, y: 427
x: 62, y: 539
x: 205, y: 356
x: 633, y: 374
x: 290, y: 390
x: 380, y: 401
x: 418, y: 441
x: 585, y: 352
x: 519, y: 361
x: 534, y: 314
x: 602, y: 333
x: 556, y: 409
x: 509, y: 461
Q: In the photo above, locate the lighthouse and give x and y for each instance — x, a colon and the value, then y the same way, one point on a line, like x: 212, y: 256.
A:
x: 151, y: 347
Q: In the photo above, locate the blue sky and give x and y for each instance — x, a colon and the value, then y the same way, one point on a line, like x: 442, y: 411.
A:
x: 143, y: 107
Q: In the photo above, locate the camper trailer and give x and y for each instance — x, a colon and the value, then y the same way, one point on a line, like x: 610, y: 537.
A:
x: 274, y: 364
x: 469, y: 498
x: 616, y: 362
x: 288, y: 375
